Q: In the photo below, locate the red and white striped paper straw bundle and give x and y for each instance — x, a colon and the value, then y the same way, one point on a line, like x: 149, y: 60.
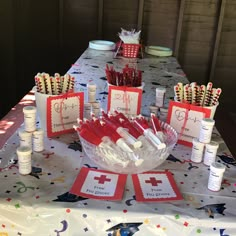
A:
x: 54, y: 85
x: 129, y: 77
x: 199, y: 95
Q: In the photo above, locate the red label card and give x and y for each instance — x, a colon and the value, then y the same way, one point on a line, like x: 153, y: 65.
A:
x: 99, y: 184
x: 155, y: 186
x: 186, y: 120
x: 63, y: 111
x: 124, y: 99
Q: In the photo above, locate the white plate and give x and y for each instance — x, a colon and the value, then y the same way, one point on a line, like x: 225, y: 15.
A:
x: 158, y: 51
x: 102, y: 45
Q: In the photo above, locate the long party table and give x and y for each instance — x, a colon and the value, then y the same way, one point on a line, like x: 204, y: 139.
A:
x: 40, y: 203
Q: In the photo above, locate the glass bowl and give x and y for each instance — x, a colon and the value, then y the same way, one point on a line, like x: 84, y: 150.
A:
x: 141, y: 160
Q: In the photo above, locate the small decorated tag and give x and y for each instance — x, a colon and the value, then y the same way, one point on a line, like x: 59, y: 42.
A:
x: 99, y: 184
x: 63, y: 111
x: 125, y: 99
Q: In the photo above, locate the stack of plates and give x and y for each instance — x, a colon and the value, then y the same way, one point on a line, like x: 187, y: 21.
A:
x: 158, y: 51
x: 102, y: 45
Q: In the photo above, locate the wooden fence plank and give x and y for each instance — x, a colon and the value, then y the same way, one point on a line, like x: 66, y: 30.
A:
x: 179, y: 28
x: 217, y: 40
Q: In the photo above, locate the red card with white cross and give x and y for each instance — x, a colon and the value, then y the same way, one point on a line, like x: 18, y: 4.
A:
x: 155, y: 186
x: 99, y: 184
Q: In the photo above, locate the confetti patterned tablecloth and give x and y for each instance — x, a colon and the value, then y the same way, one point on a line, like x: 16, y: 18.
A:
x: 40, y: 203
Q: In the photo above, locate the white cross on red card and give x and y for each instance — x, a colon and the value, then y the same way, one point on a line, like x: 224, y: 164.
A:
x: 99, y: 184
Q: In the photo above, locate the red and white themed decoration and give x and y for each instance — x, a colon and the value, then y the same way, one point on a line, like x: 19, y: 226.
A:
x: 155, y: 186
x: 63, y: 111
x: 98, y: 184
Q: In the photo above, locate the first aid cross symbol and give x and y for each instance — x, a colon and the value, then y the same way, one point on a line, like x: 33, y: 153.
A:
x: 153, y: 181
x: 102, y: 179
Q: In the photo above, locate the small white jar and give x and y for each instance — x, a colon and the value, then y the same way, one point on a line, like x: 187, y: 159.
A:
x: 29, y: 118
x: 206, y: 129
x: 163, y: 114
x: 24, y: 160
x: 210, y: 153
x: 96, y: 108
x: 160, y: 96
x: 197, y: 151
x: 38, y: 140
x: 92, y: 92
x: 25, y: 138
x: 154, y: 109
x: 215, y: 177
x: 87, y: 110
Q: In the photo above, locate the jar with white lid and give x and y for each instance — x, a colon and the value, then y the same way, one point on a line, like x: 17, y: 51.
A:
x: 25, y: 138
x: 24, y: 160
x: 154, y: 109
x: 163, y: 114
x: 160, y: 96
x: 38, y: 140
x: 210, y: 152
x: 92, y: 92
x: 206, y: 129
x: 96, y: 108
x: 197, y: 151
x: 215, y: 177
x: 29, y: 118
x: 87, y: 110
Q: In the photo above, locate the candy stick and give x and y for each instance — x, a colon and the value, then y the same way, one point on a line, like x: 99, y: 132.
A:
x: 57, y: 77
x: 36, y: 80
x: 72, y: 83
x: 194, y: 88
x: 41, y: 84
x: 208, y: 94
x: 53, y: 84
x: 197, y: 94
x: 57, y: 85
x: 216, y: 96
x: 178, y: 97
x: 66, y: 82
x: 57, y: 80
x: 201, y: 96
x: 47, y: 82
x: 193, y: 84
x: 186, y: 93
x: 181, y: 90
x: 189, y: 94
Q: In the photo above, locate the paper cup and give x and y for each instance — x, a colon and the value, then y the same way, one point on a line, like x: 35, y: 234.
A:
x: 41, y: 104
x: 213, y: 110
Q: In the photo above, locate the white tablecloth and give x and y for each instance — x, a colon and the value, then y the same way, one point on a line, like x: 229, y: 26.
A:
x: 40, y: 203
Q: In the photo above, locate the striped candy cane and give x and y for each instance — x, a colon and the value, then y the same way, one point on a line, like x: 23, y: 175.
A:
x: 178, y: 96
x: 47, y: 82
x: 186, y: 93
x: 72, y: 83
x: 195, y: 89
x: 215, y: 96
x: 66, y: 83
x: 181, y: 90
x: 207, y: 98
x: 201, y: 96
x: 40, y: 83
